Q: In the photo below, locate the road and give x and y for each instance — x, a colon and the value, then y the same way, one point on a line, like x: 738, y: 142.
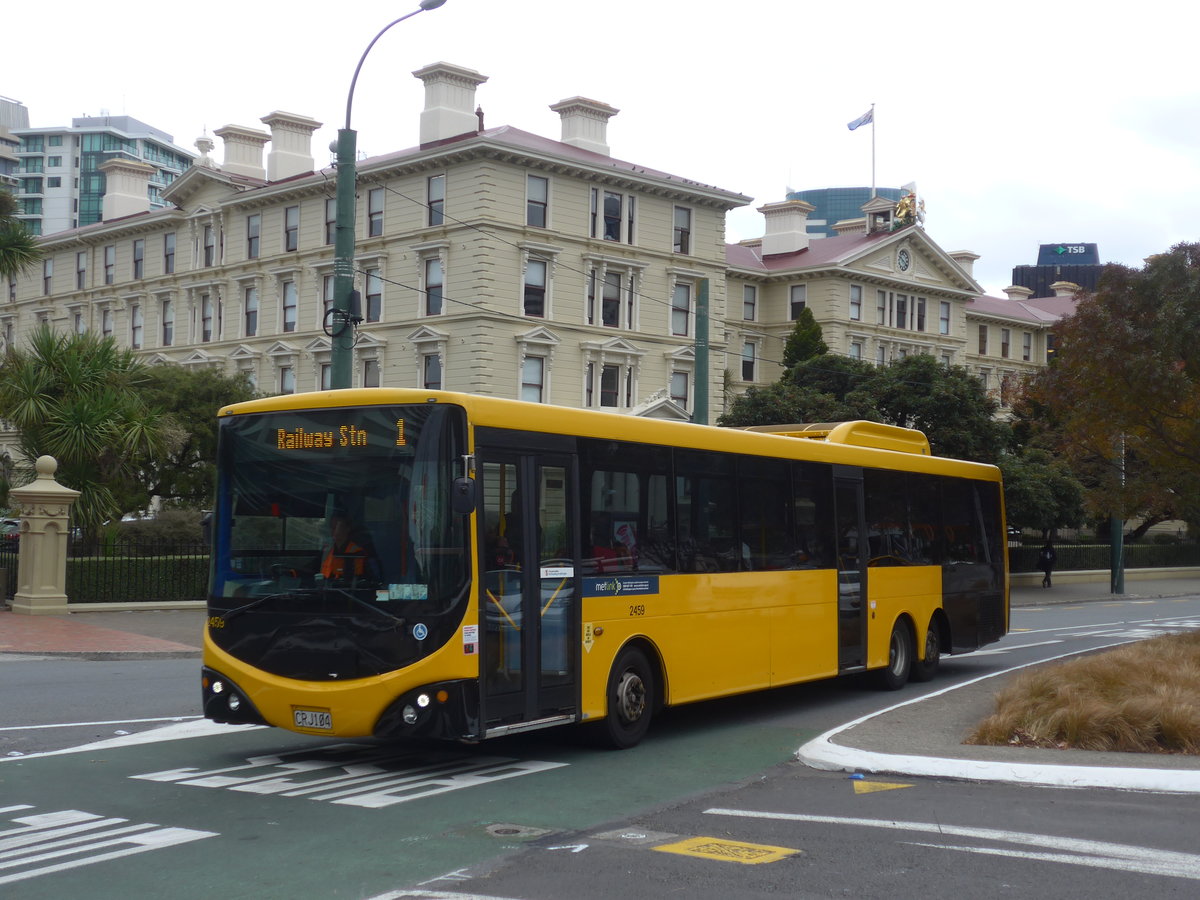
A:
x: 710, y: 805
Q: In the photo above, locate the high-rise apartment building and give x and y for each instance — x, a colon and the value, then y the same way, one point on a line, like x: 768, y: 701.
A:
x: 60, y: 183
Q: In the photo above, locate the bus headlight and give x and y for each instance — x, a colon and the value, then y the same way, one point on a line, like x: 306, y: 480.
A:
x: 235, y: 702
x: 422, y: 700
x: 409, y: 716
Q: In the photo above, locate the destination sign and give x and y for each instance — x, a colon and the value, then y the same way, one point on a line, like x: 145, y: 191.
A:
x: 340, y: 436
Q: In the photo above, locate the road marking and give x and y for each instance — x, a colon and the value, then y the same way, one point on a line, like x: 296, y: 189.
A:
x: 1098, y: 854
x: 435, y: 895
x: 574, y: 848
x: 998, y: 650
x: 727, y: 851
x: 76, y: 838
x: 93, y: 724
x: 873, y: 787
x: 355, y: 775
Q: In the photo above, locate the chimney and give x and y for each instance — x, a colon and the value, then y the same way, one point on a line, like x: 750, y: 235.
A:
x: 126, y: 188
x: 585, y: 123
x: 291, y: 145
x: 1016, y: 292
x: 1065, y: 288
x: 966, y: 261
x: 449, y: 101
x: 243, y: 151
x: 787, y: 226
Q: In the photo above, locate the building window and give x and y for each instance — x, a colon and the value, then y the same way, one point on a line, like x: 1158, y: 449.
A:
x: 749, y: 302
x: 436, y: 187
x: 110, y: 264
x: 919, y: 313
x: 856, y: 349
x: 106, y: 323
x: 535, y: 288
x: 253, y: 235
x: 943, y: 317
x: 47, y: 277
x: 289, y: 306
x: 612, y: 289
x: 533, y: 373
x: 330, y: 220
x: 433, y: 286
x: 983, y: 340
x: 328, y: 294
x: 168, y: 253
x: 612, y: 216
x: 250, y: 312
x: 287, y: 380
x: 537, y: 200
x: 206, y: 318
x: 375, y: 212
x: 681, y: 309
x: 431, y: 372
x: 679, y: 388
x: 748, y: 361
x: 370, y: 373
x: 856, y: 302
x: 682, y: 232
x: 880, y: 355
x: 80, y: 270
x: 135, y: 326
x: 610, y: 385
x: 54, y: 181
x: 1026, y: 346
x: 210, y: 246
x: 168, y: 323
x: 374, y: 285
x: 881, y: 308
x: 1005, y: 338
x: 139, y: 258
x: 326, y: 376
x: 797, y: 300
x: 902, y: 311
x: 291, y: 228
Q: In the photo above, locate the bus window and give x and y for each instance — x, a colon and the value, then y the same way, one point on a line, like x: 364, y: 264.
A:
x: 763, y: 507
x: 626, y: 511
x: 812, y: 512
x: 887, y: 519
x: 706, y: 505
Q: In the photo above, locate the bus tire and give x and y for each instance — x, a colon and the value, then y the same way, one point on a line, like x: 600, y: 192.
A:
x: 631, y: 693
x: 925, y: 669
x: 894, y: 675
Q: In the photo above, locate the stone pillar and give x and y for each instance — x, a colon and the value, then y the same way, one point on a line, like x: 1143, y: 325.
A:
x: 42, y: 561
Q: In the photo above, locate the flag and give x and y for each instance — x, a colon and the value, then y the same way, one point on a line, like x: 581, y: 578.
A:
x: 865, y: 119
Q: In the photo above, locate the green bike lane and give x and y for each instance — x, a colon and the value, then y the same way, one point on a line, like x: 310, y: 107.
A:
x: 264, y: 813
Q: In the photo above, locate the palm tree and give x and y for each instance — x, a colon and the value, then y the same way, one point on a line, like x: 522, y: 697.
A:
x: 77, y: 398
x: 19, y: 249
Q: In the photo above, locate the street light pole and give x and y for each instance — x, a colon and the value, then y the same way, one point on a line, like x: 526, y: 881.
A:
x: 340, y: 321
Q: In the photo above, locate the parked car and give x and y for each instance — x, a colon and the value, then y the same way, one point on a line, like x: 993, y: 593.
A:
x: 10, y: 532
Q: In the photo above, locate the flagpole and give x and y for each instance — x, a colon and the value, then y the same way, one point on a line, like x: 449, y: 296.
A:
x: 872, y: 151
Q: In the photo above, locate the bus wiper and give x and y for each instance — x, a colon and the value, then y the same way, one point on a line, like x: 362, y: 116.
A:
x: 360, y: 602
x: 251, y: 605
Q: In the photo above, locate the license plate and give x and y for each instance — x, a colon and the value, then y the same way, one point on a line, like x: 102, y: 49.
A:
x: 313, y: 718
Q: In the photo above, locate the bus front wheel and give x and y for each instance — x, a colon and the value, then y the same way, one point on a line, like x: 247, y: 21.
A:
x: 631, y: 693
x: 900, y: 655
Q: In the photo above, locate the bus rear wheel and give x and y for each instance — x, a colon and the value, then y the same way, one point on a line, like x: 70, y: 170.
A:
x: 631, y: 693
x: 900, y: 655
x: 925, y: 669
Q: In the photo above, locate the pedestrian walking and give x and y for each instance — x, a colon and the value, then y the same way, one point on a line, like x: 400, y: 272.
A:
x: 1046, y: 560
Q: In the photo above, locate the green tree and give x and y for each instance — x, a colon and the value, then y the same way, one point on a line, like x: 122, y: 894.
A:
x: 805, y: 341
x: 19, y: 249
x: 76, y: 398
x: 1041, y: 492
x: 1121, y: 400
x: 186, y: 474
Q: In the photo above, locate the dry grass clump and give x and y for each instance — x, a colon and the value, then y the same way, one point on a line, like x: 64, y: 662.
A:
x: 1140, y: 698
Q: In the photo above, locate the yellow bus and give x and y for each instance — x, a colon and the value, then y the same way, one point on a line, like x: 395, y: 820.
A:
x: 496, y: 566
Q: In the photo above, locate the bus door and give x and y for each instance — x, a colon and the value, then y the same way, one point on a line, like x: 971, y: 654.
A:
x: 530, y: 601
x: 852, y: 549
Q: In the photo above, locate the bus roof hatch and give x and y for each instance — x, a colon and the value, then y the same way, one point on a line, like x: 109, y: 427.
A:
x: 859, y: 433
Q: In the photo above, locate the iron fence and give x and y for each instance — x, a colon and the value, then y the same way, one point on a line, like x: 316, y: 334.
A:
x: 8, y: 565
x: 133, y: 571
x: 1076, y: 557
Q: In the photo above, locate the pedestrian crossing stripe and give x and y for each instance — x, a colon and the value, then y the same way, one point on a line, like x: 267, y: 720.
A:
x: 871, y: 787
x: 730, y: 851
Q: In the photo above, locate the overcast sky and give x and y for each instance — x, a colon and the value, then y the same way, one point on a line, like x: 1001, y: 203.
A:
x: 1022, y: 123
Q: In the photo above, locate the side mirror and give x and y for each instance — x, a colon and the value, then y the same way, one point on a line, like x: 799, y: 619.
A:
x: 463, y: 498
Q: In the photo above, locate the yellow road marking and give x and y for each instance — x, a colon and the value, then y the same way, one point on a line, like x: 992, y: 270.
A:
x: 870, y: 787
x: 730, y: 851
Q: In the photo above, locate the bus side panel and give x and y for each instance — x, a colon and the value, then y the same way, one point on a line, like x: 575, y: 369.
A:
x: 895, y: 591
x: 804, y: 637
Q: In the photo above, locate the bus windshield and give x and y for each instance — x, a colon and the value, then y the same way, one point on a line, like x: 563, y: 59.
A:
x: 334, y: 536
